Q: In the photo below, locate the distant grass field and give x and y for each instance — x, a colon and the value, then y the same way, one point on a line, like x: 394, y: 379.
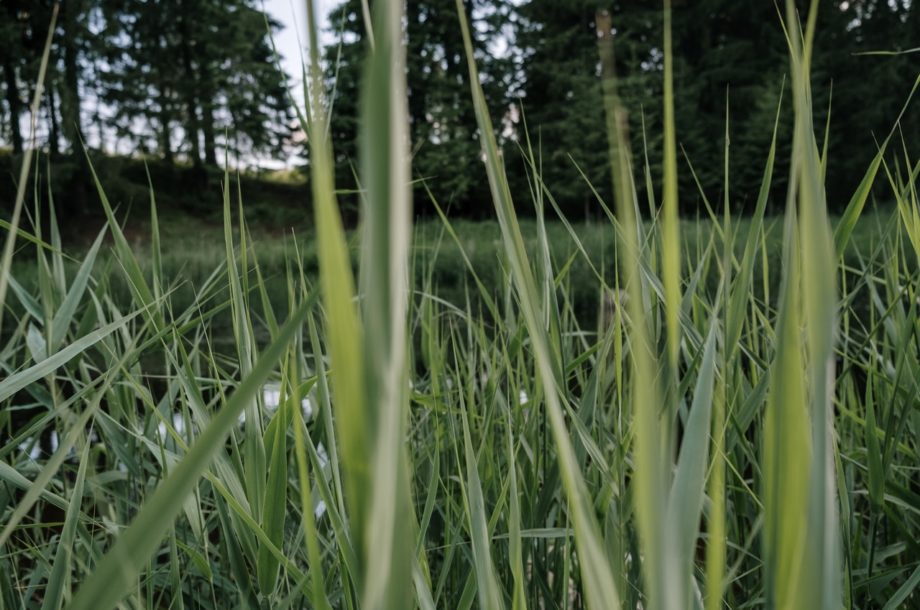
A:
x: 191, y: 249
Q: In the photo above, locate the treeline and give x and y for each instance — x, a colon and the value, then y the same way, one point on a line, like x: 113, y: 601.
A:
x: 539, y: 64
x: 189, y: 81
x: 182, y: 80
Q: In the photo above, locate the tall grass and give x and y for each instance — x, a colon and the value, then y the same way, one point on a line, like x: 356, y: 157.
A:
x: 370, y: 442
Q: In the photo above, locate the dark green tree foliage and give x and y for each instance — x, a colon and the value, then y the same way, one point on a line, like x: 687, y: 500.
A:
x: 14, y: 28
x: 23, y: 29
x: 343, y: 73
x: 202, y: 71
x: 192, y: 80
x: 724, y: 51
x: 444, y: 144
x: 562, y: 104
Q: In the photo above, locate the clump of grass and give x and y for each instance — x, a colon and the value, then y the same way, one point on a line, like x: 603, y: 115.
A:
x: 713, y: 442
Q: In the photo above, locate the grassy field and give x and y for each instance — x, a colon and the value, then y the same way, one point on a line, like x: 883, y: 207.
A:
x: 190, y: 249
x: 658, y: 414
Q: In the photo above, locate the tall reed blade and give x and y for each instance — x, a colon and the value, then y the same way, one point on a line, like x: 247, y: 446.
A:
x: 650, y: 438
x: 387, y: 226
x: 596, y: 573
x: 343, y: 326
x: 802, y: 544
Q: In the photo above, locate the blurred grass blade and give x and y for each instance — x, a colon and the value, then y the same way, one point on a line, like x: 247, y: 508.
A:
x: 343, y: 326
x: 651, y: 440
x: 387, y: 212
x: 670, y: 230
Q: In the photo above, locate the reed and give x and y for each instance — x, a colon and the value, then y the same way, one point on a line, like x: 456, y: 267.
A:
x: 369, y: 442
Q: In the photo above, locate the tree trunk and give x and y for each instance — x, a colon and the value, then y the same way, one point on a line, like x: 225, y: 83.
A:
x: 417, y: 102
x: 193, y: 125
x: 70, y: 98
x: 14, y: 103
x: 206, y: 95
x: 210, y: 142
x: 165, y: 139
x: 54, y: 135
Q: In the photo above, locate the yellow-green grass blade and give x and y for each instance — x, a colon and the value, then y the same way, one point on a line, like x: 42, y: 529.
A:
x: 385, y: 176
x: 597, y: 576
x: 670, y: 231
x: 116, y: 573
x: 786, y: 447
x: 343, y: 326
x: 819, y: 296
x: 649, y: 435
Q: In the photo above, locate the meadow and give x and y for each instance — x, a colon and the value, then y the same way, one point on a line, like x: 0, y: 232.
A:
x: 644, y: 411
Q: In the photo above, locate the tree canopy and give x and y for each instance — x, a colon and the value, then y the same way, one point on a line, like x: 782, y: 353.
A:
x: 193, y: 80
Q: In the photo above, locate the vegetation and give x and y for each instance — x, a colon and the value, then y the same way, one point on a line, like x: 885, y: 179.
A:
x: 190, y: 82
x: 738, y: 428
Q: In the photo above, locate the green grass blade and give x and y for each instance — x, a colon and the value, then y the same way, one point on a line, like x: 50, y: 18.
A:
x: 490, y: 595
x: 59, y: 580
x: 115, y: 575
x: 13, y: 227
x: 63, y: 317
x: 685, y: 500
x: 20, y: 380
x: 384, y: 154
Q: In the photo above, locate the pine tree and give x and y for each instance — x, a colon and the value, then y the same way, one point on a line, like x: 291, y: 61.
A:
x: 200, y: 69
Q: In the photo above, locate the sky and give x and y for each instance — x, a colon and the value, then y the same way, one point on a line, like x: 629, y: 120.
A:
x: 292, y: 15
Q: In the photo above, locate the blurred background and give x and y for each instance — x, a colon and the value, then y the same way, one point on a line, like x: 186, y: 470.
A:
x: 187, y: 85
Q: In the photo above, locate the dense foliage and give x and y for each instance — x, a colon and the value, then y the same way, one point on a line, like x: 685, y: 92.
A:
x: 188, y: 80
x: 540, y: 75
